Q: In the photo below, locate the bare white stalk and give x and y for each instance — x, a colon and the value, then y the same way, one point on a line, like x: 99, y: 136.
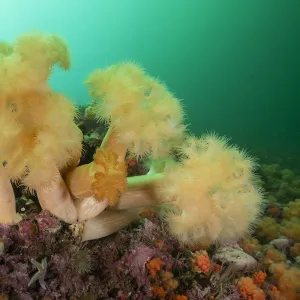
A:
x: 58, y: 201
x: 89, y: 208
x: 137, y: 198
x: 8, y: 213
x: 142, y: 191
x: 108, y: 222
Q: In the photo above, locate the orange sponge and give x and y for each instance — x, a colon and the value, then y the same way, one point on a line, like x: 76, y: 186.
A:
x: 248, y: 290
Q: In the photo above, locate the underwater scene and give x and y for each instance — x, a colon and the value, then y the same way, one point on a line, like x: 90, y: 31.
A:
x: 149, y: 150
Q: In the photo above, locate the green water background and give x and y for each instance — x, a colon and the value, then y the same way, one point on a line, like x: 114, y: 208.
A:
x: 235, y: 64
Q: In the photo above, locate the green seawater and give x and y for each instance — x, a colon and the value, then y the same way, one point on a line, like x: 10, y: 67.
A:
x: 235, y: 64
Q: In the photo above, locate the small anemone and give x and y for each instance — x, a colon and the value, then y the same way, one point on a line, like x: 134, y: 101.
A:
x: 82, y: 260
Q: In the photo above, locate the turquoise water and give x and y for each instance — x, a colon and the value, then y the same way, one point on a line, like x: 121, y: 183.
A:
x: 236, y: 63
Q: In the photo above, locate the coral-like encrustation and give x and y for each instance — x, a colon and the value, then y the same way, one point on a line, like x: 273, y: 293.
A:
x: 135, y: 263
